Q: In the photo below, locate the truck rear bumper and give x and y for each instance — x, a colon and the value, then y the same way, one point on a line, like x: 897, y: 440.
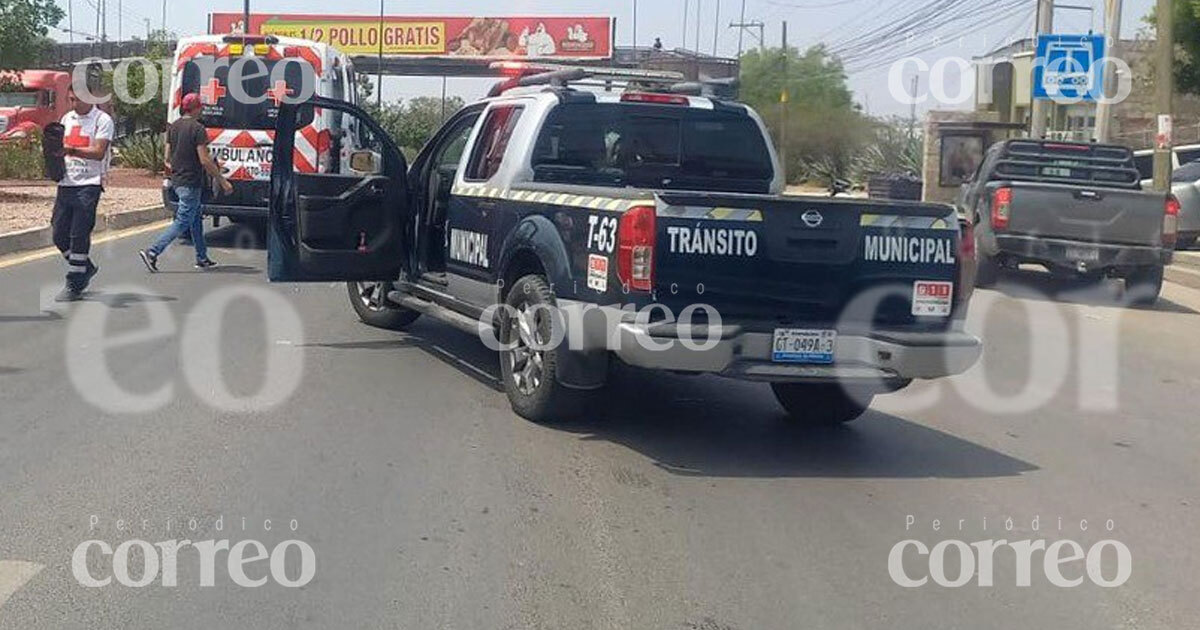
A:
x: 734, y: 352
x: 1079, y: 256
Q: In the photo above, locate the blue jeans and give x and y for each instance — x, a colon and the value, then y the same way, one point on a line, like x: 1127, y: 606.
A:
x: 188, y: 218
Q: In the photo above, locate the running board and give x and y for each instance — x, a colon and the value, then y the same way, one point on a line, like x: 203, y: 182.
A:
x: 436, y: 311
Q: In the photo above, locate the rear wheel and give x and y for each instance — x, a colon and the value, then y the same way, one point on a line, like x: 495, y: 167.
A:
x: 370, y: 301
x: 1186, y: 242
x: 820, y: 404
x: 1144, y: 285
x: 529, y: 362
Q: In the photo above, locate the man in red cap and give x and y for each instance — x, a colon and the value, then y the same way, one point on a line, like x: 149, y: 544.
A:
x: 187, y: 159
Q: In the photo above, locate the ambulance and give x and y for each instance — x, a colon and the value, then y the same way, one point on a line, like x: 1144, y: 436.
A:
x: 238, y: 134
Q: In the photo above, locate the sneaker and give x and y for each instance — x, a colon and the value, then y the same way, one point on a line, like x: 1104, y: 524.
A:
x: 207, y: 263
x: 69, y: 294
x: 88, y: 275
x: 150, y: 259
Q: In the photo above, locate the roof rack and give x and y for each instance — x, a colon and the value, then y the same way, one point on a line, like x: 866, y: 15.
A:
x: 560, y: 76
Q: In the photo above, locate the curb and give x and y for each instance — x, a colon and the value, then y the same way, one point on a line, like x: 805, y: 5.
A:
x: 38, y: 238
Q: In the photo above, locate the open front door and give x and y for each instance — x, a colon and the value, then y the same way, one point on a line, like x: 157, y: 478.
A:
x: 349, y: 226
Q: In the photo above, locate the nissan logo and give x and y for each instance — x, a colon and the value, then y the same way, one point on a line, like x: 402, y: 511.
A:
x: 812, y: 218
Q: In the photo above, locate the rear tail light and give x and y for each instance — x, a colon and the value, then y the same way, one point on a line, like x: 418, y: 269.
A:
x: 656, y: 99
x: 1171, y: 222
x: 966, y: 254
x: 635, y: 248
x: 1001, y: 207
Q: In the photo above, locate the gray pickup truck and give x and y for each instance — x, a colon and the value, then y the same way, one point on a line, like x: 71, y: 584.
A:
x: 1076, y: 209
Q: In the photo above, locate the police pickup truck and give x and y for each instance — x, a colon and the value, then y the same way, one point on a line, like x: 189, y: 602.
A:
x: 576, y: 228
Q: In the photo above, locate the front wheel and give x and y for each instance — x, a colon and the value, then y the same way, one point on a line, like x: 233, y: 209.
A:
x: 820, y: 404
x: 529, y: 357
x: 370, y: 301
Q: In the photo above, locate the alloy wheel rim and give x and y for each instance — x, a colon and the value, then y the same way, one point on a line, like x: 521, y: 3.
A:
x: 526, y: 362
x: 372, y: 295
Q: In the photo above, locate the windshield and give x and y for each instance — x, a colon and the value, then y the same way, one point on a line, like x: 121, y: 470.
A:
x: 18, y: 99
x: 653, y: 146
x: 222, y: 110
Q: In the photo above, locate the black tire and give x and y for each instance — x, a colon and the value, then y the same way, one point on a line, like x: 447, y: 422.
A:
x: 1144, y: 285
x: 1186, y: 242
x: 820, y: 404
x: 369, y: 300
x: 987, y: 270
x: 530, y: 375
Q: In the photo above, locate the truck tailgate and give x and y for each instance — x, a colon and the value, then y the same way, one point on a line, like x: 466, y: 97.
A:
x: 802, y: 260
x: 1090, y: 214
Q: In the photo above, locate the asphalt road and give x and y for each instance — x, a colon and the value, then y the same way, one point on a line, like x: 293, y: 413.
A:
x: 679, y: 502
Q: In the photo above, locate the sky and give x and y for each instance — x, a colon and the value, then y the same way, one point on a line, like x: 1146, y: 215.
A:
x: 809, y: 22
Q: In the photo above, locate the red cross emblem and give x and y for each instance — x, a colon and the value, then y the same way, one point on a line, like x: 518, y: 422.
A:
x: 278, y: 92
x: 76, y: 139
x: 211, y: 93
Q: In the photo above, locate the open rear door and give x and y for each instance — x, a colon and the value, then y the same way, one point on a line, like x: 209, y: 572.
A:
x: 349, y: 226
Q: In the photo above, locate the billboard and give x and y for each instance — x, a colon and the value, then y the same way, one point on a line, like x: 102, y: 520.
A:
x: 581, y: 37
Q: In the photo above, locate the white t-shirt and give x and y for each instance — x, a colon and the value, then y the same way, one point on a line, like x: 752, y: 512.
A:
x: 81, y: 132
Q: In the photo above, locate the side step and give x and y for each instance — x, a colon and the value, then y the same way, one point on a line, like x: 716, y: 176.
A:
x: 436, y: 311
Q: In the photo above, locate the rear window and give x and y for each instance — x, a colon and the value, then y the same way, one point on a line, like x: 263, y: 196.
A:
x: 652, y: 146
x: 1064, y: 162
x: 222, y: 110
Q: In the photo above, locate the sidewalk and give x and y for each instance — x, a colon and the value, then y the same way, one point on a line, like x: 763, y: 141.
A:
x: 1186, y: 270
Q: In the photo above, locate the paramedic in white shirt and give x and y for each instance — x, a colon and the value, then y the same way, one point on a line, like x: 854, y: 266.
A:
x: 87, y: 134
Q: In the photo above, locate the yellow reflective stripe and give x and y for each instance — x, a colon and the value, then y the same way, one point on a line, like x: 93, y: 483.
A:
x: 613, y: 205
x: 720, y: 213
x: 596, y: 203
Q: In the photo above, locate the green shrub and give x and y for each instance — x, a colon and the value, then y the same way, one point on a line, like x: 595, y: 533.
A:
x: 141, y: 150
x: 22, y: 159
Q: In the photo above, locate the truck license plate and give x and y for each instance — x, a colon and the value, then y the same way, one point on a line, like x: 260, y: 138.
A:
x: 797, y: 345
x: 1083, y: 254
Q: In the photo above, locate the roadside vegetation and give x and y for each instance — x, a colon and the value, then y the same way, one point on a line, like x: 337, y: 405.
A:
x: 22, y: 159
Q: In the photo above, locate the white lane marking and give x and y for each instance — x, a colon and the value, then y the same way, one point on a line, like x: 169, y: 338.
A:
x: 103, y: 237
x: 13, y: 575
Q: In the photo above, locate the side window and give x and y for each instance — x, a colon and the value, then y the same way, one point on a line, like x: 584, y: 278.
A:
x: 1190, y: 154
x: 493, y: 142
x: 450, y: 153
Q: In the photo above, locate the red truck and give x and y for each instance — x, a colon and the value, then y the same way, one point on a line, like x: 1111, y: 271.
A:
x: 40, y: 99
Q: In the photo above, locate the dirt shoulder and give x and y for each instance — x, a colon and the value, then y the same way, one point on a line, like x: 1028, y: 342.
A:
x: 25, y: 205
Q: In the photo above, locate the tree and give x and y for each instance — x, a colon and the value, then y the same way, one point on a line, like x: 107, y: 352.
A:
x: 824, y: 128
x: 152, y: 114
x: 411, y: 124
x: 23, y: 28
x: 1187, y: 44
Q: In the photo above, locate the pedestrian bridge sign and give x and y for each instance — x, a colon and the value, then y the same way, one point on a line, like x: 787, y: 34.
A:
x: 1069, y: 68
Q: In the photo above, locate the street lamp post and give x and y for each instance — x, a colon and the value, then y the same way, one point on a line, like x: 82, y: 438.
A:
x: 379, y: 76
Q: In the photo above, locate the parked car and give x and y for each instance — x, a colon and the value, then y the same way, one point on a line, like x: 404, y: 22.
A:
x: 1074, y: 208
x: 1185, y: 186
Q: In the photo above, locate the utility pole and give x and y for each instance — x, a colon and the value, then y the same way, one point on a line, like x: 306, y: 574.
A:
x: 1112, y: 38
x: 120, y: 26
x: 164, y: 20
x: 716, y: 27
x: 635, y: 39
x: 71, y: 20
x: 246, y: 18
x: 1045, y: 25
x: 1164, y: 89
x: 741, y: 29
x: 686, y: 15
x: 379, y: 77
x: 742, y: 26
x: 697, y: 34
x: 784, y: 97
x: 147, y: 30
x: 912, y: 110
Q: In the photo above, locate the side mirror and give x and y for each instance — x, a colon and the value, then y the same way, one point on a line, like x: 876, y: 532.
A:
x: 366, y: 162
